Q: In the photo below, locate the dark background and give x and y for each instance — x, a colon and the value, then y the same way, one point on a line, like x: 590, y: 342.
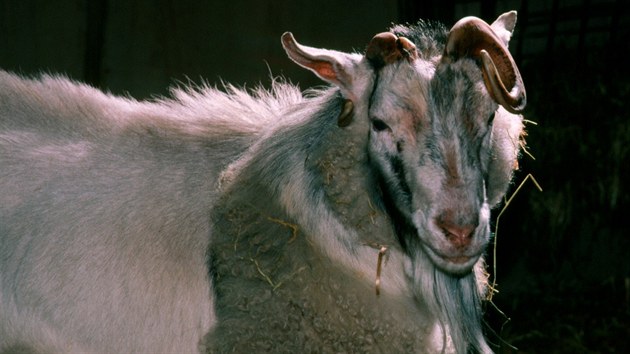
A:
x: 563, y: 255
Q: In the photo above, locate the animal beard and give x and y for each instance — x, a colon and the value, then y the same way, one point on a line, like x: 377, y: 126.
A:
x: 454, y: 301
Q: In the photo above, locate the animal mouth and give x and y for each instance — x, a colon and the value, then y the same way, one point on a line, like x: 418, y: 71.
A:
x: 457, y: 260
x: 456, y: 264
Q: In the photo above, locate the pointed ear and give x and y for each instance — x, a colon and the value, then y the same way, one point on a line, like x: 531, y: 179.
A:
x: 331, y: 66
x: 504, y: 26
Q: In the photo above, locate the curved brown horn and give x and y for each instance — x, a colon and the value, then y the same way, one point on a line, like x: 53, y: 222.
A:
x: 472, y: 37
x: 386, y: 48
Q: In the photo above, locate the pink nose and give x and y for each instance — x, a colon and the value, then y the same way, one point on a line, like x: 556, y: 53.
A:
x: 457, y: 234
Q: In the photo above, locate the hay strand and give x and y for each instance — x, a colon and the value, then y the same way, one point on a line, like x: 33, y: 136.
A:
x: 493, y: 286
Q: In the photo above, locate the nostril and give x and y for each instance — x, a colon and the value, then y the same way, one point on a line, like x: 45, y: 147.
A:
x: 459, y: 236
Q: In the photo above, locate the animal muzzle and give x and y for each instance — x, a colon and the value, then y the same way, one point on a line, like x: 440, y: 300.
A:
x: 458, y: 227
x: 458, y: 237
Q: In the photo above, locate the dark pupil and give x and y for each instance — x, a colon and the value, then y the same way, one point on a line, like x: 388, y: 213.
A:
x: 379, y: 125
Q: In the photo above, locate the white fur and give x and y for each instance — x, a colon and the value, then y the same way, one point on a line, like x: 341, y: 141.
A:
x: 103, y: 233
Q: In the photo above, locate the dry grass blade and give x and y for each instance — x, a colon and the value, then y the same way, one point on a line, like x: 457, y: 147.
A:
x: 492, y: 285
x: 293, y: 227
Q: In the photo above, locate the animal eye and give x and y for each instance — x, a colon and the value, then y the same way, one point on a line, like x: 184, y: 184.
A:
x: 378, y: 125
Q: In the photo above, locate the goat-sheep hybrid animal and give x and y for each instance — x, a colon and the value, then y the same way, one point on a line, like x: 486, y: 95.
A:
x: 350, y: 219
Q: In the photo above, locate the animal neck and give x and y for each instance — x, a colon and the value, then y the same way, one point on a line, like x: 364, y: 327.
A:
x: 322, y: 177
x: 266, y: 266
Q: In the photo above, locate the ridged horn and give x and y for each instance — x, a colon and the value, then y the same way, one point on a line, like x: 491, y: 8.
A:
x: 472, y: 37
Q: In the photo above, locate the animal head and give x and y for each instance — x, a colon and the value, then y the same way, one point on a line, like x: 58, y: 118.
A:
x: 439, y: 109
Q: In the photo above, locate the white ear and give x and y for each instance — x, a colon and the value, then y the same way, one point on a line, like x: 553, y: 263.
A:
x: 504, y: 26
x: 331, y: 66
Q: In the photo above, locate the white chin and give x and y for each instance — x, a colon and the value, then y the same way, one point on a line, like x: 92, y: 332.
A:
x: 460, y: 265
